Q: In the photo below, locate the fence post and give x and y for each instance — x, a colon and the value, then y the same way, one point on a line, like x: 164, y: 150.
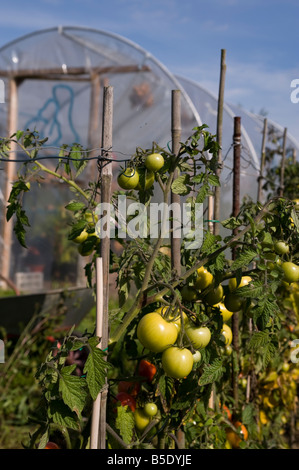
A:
x: 282, y: 166
x: 217, y: 198
x: 236, y: 210
x: 99, y: 411
x: 263, y: 159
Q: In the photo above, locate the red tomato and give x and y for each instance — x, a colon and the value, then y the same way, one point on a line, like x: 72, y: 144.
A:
x: 51, y: 445
x: 147, y: 369
x: 126, y: 400
x: 132, y: 388
x: 233, y: 438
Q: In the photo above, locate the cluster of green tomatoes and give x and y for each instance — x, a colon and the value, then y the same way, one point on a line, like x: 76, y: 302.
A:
x: 141, y: 178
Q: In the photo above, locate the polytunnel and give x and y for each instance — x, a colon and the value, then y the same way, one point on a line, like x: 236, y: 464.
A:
x: 252, y: 127
x: 54, y: 80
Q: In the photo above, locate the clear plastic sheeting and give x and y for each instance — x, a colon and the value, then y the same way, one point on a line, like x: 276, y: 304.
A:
x: 54, y: 82
x: 251, y: 140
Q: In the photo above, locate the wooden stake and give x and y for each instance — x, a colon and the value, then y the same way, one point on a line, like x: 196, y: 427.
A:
x: 99, y: 410
x: 263, y: 158
x: 236, y: 210
x: 294, y: 157
x: 283, y: 159
x: 10, y: 174
x: 217, y: 200
x: 96, y: 413
x: 175, y: 198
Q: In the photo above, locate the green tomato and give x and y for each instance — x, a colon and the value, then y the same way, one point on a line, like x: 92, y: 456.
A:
x: 281, y: 248
x: 154, y: 162
x: 214, y: 296
x: 155, y: 333
x: 146, y: 180
x: 150, y: 409
x: 233, y: 302
x: 291, y: 271
x: 227, y: 333
x: 128, y: 179
x: 198, y: 336
x: 204, y: 278
x: 83, y: 251
x: 232, y: 283
x: 82, y: 237
x: 141, y: 419
x: 196, y: 356
x: 224, y: 312
x: 177, y: 362
x: 188, y: 293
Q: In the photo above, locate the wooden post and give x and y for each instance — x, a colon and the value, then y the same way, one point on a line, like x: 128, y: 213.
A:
x: 236, y: 210
x: 96, y: 412
x: 219, y: 136
x: 294, y: 157
x: 282, y: 166
x: 10, y: 173
x: 263, y: 158
x: 106, y: 182
x: 175, y: 198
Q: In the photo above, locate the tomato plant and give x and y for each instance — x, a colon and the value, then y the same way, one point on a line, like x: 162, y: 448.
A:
x: 174, y: 329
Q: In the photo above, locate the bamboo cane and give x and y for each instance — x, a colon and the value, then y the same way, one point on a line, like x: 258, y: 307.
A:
x: 217, y: 198
x: 99, y: 411
x: 282, y: 166
x: 236, y: 209
x: 263, y: 158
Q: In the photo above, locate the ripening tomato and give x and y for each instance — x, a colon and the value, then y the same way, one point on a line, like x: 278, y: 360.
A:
x: 154, y: 162
x: 155, y: 333
x: 132, y: 388
x: 226, y: 411
x: 147, y: 369
x: 126, y: 400
x: 128, y: 179
x: 234, y: 438
x: 177, y: 362
x: 51, y: 445
x: 204, y: 278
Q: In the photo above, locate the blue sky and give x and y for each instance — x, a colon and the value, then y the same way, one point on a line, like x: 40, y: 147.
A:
x: 260, y: 38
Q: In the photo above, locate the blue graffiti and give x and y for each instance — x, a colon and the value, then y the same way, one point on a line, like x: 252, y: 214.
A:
x: 46, y: 121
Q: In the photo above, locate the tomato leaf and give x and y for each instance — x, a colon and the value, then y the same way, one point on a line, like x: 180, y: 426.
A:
x: 72, y: 389
x: 125, y: 423
x: 62, y: 415
x: 95, y: 368
x: 212, y: 372
x: 244, y: 259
